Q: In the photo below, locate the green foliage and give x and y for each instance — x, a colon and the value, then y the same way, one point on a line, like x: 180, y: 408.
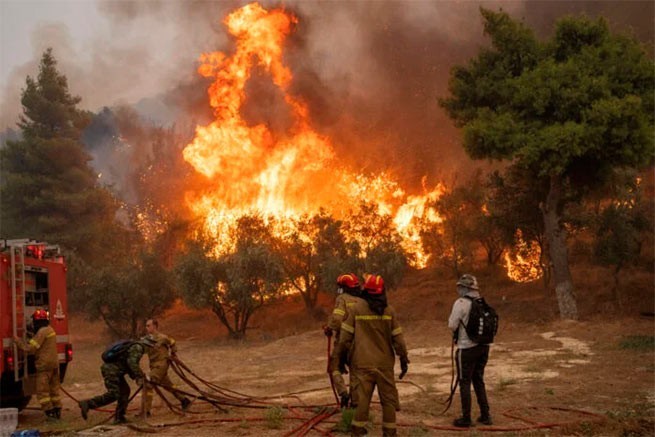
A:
x: 344, y: 424
x: 570, y: 110
x: 638, y: 342
x: 274, y: 417
x: 378, y: 244
x: 586, y: 95
x: 236, y: 284
x: 127, y: 292
x: 48, y: 190
x: 313, y: 254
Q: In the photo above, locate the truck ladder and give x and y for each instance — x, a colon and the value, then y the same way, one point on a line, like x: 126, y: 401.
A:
x: 18, y: 297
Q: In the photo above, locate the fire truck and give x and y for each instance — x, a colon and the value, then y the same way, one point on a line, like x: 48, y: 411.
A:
x: 32, y: 276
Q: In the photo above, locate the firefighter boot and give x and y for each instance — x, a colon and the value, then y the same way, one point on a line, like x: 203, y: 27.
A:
x: 84, y: 409
x: 57, y: 412
x: 185, y: 404
x: 357, y: 431
x: 51, y: 414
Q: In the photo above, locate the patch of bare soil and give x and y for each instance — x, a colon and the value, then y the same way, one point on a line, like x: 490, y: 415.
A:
x: 539, y: 372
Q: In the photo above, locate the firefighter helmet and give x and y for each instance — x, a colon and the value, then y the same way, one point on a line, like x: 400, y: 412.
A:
x: 468, y: 281
x: 374, y: 284
x: 349, y: 280
x: 40, y: 314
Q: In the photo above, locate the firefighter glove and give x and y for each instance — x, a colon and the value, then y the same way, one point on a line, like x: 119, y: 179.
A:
x: 327, y: 330
x: 342, y: 365
x: 404, y: 364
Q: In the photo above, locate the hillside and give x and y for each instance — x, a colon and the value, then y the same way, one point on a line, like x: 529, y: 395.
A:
x: 539, y: 369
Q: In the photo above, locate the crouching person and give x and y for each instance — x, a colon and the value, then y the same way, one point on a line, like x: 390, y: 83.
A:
x: 120, y: 359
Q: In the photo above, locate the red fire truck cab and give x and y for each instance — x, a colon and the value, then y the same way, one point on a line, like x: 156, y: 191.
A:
x: 32, y: 276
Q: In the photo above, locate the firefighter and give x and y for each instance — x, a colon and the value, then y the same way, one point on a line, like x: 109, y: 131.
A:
x: 348, y: 292
x: 371, y: 336
x: 159, y: 357
x: 114, y: 369
x: 44, y: 346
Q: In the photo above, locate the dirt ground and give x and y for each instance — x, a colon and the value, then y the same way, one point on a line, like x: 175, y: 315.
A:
x: 541, y: 371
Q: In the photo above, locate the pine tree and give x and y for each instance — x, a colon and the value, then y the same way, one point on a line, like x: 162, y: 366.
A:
x: 48, y: 190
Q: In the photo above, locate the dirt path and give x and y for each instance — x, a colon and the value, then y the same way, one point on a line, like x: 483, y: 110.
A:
x: 576, y: 365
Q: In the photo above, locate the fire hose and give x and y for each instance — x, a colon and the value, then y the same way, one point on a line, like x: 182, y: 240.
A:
x: 220, y: 397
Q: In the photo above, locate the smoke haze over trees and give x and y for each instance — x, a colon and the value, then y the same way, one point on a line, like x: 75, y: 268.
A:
x: 371, y: 71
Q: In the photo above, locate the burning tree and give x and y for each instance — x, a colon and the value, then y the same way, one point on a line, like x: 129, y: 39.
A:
x: 235, y: 284
x: 581, y: 103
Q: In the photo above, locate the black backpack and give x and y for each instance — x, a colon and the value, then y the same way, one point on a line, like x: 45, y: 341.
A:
x: 483, y: 321
x: 116, y: 350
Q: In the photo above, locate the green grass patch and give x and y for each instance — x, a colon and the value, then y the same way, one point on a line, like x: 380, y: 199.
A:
x: 638, y: 342
x: 274, y: 417
x: 345, y: 421
x: 505, y: 382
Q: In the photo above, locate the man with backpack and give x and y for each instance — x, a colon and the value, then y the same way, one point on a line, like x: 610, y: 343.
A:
x: 474, y: 324
x: 120, y: 359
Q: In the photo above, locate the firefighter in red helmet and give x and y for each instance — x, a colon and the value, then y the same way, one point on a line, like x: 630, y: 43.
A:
x: 44, y: 347
x: 348, y: 292
x: 370, y: 338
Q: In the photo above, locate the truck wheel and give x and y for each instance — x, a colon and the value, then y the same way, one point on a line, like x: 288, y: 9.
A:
x: 11, y: 393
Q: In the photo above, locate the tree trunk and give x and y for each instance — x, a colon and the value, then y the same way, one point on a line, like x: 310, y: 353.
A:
x: 556, y: 238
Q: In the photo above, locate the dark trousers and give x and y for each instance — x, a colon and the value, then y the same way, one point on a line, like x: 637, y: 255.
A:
x: 117, y: 390
x: 470, y: 368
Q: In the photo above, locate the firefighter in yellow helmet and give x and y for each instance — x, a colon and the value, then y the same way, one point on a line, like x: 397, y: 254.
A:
x: 44, y: 347
x: 371, y: 336
x: 158, y: 357
x: 348, y: 292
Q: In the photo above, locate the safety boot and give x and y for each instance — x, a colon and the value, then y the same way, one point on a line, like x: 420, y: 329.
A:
x: 84, y: 409
x: 57, y: 412
x: 120, y: 419
x: 357, y: 431
x: 485, y: 420
x: 462, y: 422
x: 51, y: 414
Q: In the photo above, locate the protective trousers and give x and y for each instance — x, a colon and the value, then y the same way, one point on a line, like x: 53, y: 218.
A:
x: 159, y: 375
x: 470, y: 368
x: 363, y: 384
x: 47, y: 389
x: 117, y: 390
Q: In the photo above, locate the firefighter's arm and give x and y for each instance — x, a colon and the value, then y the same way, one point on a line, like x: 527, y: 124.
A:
x: 346, y: 337
x: 34, y: 343
x: 339, y: 312
x: 399, y: 345
x: 172, y: 345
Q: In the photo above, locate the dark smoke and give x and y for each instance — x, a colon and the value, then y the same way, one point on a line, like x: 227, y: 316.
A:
x: 372, y: 72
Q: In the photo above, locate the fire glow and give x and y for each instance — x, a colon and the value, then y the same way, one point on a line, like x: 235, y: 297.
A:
x: 252, y: 169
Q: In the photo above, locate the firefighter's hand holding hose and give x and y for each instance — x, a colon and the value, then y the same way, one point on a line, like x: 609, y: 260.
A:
x: 404, y: 365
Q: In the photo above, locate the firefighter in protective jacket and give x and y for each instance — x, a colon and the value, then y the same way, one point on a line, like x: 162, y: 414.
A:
x: 348, y: 292
x: 127, y: 363
x: 158, y: 357
x: 372, y: 336
x: 44, y: 346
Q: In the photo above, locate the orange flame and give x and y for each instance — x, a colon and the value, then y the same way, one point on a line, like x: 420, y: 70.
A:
x: 523, y: 264
x: 283, y: 175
